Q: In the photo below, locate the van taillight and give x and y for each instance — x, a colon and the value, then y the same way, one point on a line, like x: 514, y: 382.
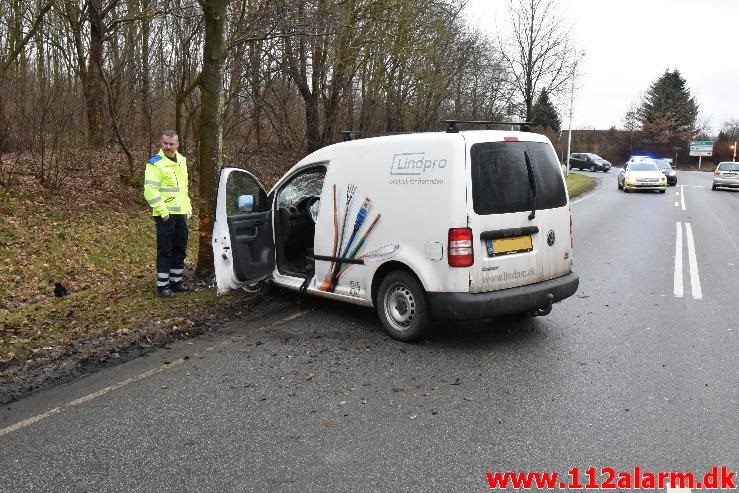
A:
x: 460, y: 247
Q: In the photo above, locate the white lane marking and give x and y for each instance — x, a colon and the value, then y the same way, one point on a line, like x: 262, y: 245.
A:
x: 128, y: 381
x: 82, y: 400
x: 682, y: 196
x: 677, y: 193
x: 698, y: 186
x: 695, y: 281
x: 678, y: 277
x: 677, y: 203
x: 30, y: 421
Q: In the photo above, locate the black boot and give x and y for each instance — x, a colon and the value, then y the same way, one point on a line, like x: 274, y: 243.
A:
x: 180, y: 287
x: 165, y: 291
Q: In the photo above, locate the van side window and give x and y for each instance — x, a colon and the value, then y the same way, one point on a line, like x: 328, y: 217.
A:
x: 500, y: 181
x: 239, y: 184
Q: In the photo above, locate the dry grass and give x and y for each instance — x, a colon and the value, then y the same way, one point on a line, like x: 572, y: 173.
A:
x: 98, y: 240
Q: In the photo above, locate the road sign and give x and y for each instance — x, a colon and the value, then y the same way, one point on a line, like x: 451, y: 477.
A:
x: 701, y: 147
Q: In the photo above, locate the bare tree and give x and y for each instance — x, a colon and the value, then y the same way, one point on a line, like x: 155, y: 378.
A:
x: 538, y: 50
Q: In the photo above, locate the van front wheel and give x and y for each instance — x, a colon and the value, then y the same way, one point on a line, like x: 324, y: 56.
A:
x: 401, y: 306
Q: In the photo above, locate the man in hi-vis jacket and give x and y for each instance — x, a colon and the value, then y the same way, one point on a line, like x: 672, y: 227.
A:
x: 165, y: 189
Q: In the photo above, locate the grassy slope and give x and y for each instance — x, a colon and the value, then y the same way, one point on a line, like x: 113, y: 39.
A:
x: 102, y: 249
x: 578, y: 184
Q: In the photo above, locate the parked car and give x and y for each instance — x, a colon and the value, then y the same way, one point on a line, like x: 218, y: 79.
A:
x: 667, y: 170
x: 726, y: 175
x: 456, y: 225
x: 589, y: 161
x: 668, y: 161
x: 642, y: 175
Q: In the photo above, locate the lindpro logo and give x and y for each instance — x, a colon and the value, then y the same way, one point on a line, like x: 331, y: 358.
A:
x: 414, y: 163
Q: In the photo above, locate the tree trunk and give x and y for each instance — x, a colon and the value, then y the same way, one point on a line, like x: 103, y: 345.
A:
x: 92, y: 84
x: 255, y: 66
x: 312, y: 123
x: 210, y: 128
x: 146, y: 78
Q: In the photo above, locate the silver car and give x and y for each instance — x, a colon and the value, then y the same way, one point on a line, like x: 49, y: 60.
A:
x: 726, y: 175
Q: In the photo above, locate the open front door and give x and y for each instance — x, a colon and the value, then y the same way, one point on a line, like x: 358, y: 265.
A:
x: 243, y: 244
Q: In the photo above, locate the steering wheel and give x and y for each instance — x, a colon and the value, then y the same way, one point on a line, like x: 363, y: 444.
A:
x: 305, y: 204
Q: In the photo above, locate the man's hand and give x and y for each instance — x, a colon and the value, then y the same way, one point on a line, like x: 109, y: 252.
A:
x: 165, y: 218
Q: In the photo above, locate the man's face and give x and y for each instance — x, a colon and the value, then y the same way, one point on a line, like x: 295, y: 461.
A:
x: 170, y: 145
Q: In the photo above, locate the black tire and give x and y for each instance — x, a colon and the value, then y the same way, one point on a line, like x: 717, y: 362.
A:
x: 713, y: 187
x: 620, y: 187
x: 592, y: 169
x: 662, y: 191
x: 401, y: 306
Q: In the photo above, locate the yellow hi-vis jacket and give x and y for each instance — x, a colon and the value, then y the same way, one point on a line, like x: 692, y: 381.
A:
x: 165, y: 185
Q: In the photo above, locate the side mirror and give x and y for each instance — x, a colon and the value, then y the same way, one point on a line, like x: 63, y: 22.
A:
x: 245, y: 203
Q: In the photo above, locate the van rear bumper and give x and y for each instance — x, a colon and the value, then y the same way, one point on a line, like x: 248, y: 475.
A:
x: 472, y: 306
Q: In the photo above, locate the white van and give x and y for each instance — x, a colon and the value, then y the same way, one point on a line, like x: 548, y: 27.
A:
x: 455, y: 225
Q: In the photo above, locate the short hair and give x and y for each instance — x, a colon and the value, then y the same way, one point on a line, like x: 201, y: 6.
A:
x: 170, y: 133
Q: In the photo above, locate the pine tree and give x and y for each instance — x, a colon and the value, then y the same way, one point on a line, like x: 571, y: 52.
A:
x: 545, y: 114
x: 668, y: 109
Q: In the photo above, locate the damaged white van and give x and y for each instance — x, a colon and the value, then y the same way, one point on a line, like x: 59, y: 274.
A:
x: 422, y: 227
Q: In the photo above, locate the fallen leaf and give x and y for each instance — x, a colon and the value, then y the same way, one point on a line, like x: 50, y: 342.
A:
x: 469, y: 398
x: 413, y: 416
x: 9, y: 358
x: 329, y: 424
x: 456, y: 381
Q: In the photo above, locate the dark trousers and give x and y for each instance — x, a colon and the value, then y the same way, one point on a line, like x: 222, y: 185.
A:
x: 171, y: 248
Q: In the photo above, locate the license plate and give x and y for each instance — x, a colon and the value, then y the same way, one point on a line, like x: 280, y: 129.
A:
x: 507, y: 246
x: 729, y: 175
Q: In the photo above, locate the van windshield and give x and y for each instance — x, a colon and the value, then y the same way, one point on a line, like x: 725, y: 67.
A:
x: 500, y: 180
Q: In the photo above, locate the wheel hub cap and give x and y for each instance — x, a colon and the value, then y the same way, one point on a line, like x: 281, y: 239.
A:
x: 400, y: 307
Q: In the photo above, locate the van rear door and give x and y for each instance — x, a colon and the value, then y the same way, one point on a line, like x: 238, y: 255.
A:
x: 519, y: 214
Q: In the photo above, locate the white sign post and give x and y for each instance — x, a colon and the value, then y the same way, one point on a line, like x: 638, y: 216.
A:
x: 701, y: 148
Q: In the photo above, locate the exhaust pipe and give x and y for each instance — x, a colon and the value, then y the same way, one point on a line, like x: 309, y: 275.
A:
x: 545, y: 309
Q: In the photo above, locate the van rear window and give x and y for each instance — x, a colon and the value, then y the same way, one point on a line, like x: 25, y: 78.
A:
x: 500, y: 177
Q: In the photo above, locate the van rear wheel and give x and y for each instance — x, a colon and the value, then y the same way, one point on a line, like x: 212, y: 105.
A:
x: 402, y: 307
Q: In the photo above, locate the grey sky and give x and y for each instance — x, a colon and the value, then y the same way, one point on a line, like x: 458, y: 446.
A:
x: 630, y: 43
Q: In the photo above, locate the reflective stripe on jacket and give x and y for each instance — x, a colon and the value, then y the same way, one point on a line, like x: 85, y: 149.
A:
x: 165, y: 185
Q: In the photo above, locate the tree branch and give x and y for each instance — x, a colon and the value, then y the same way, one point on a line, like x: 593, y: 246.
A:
x: 22, y: 44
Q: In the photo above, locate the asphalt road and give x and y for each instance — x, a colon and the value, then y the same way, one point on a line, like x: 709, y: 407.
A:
x: 639, y: 368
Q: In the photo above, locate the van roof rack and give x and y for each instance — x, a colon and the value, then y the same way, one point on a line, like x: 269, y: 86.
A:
x: 360, y: 134
x: 453, y: 126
